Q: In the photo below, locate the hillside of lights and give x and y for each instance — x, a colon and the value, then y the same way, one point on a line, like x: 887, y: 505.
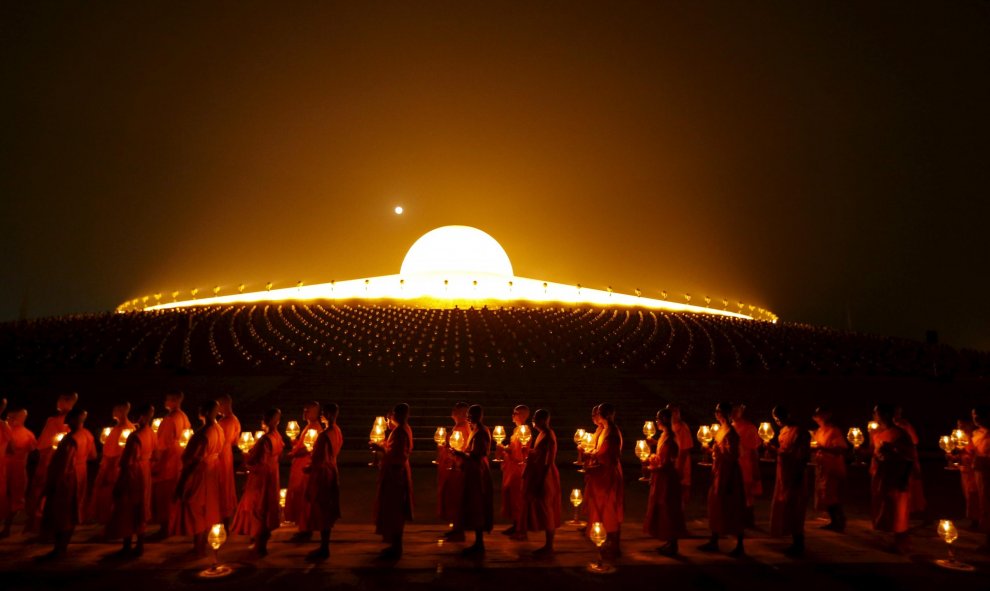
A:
x: 450, y: 266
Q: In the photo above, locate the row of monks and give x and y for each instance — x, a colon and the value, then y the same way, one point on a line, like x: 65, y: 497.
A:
x: 185, y: 483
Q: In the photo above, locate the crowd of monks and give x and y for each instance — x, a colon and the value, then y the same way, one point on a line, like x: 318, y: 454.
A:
x: 161, y: 471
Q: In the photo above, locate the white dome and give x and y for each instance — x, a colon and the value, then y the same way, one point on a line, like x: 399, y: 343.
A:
x: 456, y: 250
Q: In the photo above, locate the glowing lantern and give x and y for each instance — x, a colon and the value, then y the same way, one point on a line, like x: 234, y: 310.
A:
x: 216, y: 539
x: 715, y: 427
x: 381, y: 422
x: 258, y: 435
x: 872, y: 426
x: 123, y: 437
x: 578, y: 436
x: 959, y: 438
x: 948, y: 532
x: 457, y: 440
x: 705, y: 436
x: 766, y: 432
x: 576, y: 499
x: 309, y: 439
x: 292, y: 430
x: 643, y: 453
x: 155, y: 424
x: 855, y: 437
x: 589, y: 442
x: 814, y: 440
x: 439, y: 436
x: 524, y: 434
x: 649, y: 429
x: 498, y: 434
x: 281, y: 497
x: 104, y: 435
x: 184, y: 437
x: 946, y: 444
x: 597, y: 534
x: 246, y: 442
x: 57, y: 439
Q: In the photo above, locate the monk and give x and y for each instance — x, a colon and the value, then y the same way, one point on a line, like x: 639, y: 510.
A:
x: 749, y: 459
x: 830, y: 469
x: 685, y: 442
x: 478, y: 511
x: 257, y: 513
x: 894, y: 456
x: 604, y: 486
x: 22, y: 443
x: 66, y: 483
x: 917, y: 504
x: 665, y: 506
x: 167, y: 461
x: 231, y: 434
x: 966, y: 478
x: 323, y: 487
x: 450, y: 477
x: 196, y: 505
x: 101, y: 499
x: 790, y: 492
x: 131, y: 492
x: 726, y: 495
x: 296, y: 505
x: 514, y: 456
x: 46, y: 448
x: 394, y: 500
x: 981, y: 468
x: 541, y: 486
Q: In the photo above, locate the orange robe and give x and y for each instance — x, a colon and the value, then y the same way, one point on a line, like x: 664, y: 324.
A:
x: 603, y: 484
x: 479, y: 493
x: 684, y: 440
x: 541, y: 486
x: 981, y: 475
x: 22, y: 443
x: 132, y: 490
x: 197, y: 504
x: 790, y: 492
x: 512, y: 478
x: 36, y: 489
x: 323, y: 486
x: 296, y: 505
x: 893, y: 461
x: 917, y: 501
x: 664, y: 508
x: 727, y: 495
x: 830, y: 467
x: 167, y: 465
x: 101, y: 498
x: 66, y: 482
x: 5, y: 442
x: 450, y: 479
x: 394, y: 498
x: 749, y: 458
x: 258, y: 510
x: 228, y: 491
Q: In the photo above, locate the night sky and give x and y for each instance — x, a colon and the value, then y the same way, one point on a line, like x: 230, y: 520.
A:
x: 827, y: 160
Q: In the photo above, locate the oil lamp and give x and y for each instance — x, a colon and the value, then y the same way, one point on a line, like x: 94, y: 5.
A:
x: 122, y: 441
x: 946, y: 444
x: 104, y: 434
x: 649, y: 429
x: 309, y: 439
x: 57, y: 439
x: 814, y: 440
x: 524, y: 434
x: 959, y: 438
x: 184, y: 437
x: 578, y: 440
x: 216, y: 539
x: 705, y: 436
x: 292, y: 430
x: 380, y: 422
x: 643, y: 453
x: 439, y: 436
x: 872, y: 426
x: 855, y: 437
x: 377, y: 437
x: 715, y: 427
x: 457, y: 440
x: 245, y: 442
x: 596, y: 531
x: 258, y: 435
x: 576, y: 499
x: 766, y: 434
x: 282, y: 493
x: 947, y: 531
x: 498, y: 434
x: 155, y: 423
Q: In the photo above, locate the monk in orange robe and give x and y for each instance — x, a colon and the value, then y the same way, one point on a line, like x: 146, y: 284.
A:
x: 894, y: 456
x: 749, y: 459
x: 323, y: 488
x: 604, y: 485
x: 257, y: 513
x: 196, y: 505
x: 394, y: 498
x: 101, y: 499
x: 917, y: 503
x: 296, y: 505
x: 22, y: 443
x: 726, y: 495
x: 541, y: 485
x: 54, y: 426
x: 231, y: 434
x: 790, y: 492
x: 665, y: 506
x: 66, y: 483
x: 830, y: 469
x: 981, y: 468
x: 131, y: 493
x: 478, y: 513
x: 167, y: 461
x: 685, y: 441
x: 514, y: 456
x: 450, y: 476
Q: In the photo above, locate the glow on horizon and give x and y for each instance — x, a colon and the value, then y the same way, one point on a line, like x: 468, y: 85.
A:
x: 448, y: 266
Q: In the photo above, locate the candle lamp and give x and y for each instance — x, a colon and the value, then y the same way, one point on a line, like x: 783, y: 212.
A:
x: 587, y: 447
x: 649, y: 429
x: 596, y: 531
x: 959, y: 438
x: 498, y: 434
x: 439, y: 436
x: 814, y: 440
x: 946, y: 444
x: 855, y: 437
x: 576, y: 499
x: 377, y: 437
x: 380, y: 422
x: 282, y: 493
x: 766, y: 435
x: 184, y: 437
x: 57, y: 439
x: 578, y: 439
x: 292, y: 430
x: 948, y: 532
x: 216, y: 539
x: 705, y: 436
x: 715, y: 427
x: 122, y: 441
x: 155, y: 423
x: 104, y: 435
x: 525, y: 434
x: 643, y: 453
x: 872, y: 426
x: 245, y: 442
x: 457, y: 440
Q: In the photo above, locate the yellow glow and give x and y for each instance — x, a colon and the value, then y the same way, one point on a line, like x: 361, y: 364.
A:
x: 498, y: 434
x: 577, y: 497
x: 452, y: 266
x: 579, y: 436
x: 642, y: 450
x: 123, y: 437
x: 292, y: 430
x: 439, y: 436
x: 765, y: 432
x: 155, y: 424
x: 398, y: 210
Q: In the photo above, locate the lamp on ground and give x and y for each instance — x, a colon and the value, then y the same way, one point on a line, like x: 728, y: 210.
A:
x: 766, y: 434
x: 216, y: 539
x: 596, y: 531
x: 855, y: 437
x: 643, y: 453
x: 576, y: 499
x: 498, y: 434
x: 947, y: 531
x: 292, y: 430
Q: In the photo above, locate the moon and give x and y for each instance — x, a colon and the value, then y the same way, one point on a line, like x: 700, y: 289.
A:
x: 398, y: 210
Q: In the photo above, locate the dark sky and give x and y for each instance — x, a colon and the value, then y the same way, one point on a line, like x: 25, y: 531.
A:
x: 827, y: 160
